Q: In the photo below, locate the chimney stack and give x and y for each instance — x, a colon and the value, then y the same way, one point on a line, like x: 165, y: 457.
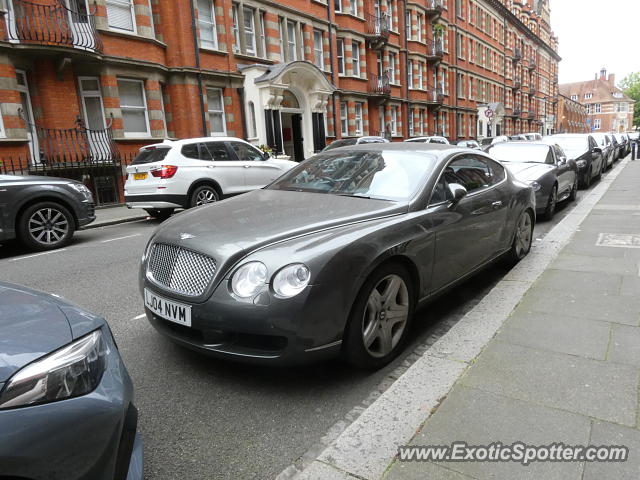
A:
x: 612, y: 79
x: 603, y: 74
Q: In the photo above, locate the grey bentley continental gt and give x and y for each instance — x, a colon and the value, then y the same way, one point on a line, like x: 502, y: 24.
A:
x: 334, y: 256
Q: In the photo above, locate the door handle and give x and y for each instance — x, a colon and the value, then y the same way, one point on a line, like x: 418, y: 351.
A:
x: 211, y: 166
x: 496, y: 205
x: 247, y: 166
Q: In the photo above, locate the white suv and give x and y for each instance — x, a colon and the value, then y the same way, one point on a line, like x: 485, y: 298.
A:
x: 192, y: 172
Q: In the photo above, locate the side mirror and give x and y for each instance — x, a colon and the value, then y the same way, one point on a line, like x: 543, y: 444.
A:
x: 458, y: 192
x: 266, y: 155
x: 597, y: 150
x: 562, y: 160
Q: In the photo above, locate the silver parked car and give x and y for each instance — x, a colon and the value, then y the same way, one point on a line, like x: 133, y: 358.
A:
x: 546, y: 168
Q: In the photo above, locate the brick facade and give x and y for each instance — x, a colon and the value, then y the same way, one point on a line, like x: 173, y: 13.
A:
x: 572, y: 116
x: 465, y: 55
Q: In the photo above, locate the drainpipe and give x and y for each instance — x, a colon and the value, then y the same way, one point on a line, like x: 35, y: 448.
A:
x: 196, y: 51
x: 243, y: 117
x: 406, y: 68
x: 333, y: 73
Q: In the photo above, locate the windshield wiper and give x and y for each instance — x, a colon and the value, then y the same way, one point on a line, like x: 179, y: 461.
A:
x: 366, y: 197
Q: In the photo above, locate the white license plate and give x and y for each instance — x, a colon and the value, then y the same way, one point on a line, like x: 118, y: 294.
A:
x: 167, y: 309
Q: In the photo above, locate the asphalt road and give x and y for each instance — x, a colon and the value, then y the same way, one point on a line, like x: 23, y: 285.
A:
x: 209, y: 419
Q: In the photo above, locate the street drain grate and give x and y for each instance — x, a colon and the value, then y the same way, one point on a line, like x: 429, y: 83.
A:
x: 622, y: 240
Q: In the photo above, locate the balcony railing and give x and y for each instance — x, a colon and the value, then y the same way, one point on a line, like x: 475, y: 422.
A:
x: 517, y: 55
x: 532, y: 115
x: 435, y: 6
x: 517, y: 85
x: 517, y: 112
x: 52, y: 24
x: 379, y: 84
x: 532, y: 63
x: 378, y: 26
x: 435, y: 51
x: 435, y: 96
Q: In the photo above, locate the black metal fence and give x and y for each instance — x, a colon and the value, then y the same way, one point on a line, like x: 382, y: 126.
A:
x: 53, y: 24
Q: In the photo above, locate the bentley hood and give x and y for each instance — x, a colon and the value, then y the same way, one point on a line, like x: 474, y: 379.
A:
x: 230, y: 229
x: 527, y: 172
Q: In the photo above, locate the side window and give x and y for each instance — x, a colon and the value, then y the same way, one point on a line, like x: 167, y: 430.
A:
x: 497, y: 172
x: 191, y: 151
x: 440, y: 192
x: 559, y: 152
x: 246, y: 152
x: 472, y: 173
x: 216, y: 151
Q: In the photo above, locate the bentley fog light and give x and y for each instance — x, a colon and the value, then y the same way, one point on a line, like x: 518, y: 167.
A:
x: 248, y: 279
x: 291, y: 280
x: 69, y: 372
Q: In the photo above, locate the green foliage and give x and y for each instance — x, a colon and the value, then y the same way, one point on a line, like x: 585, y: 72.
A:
x: 631, y: 86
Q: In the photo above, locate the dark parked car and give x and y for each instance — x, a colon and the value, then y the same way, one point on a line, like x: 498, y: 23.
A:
x: 584, y: 149
x: 469, y: 144
x: 43, y: 212
x: 546, y: 168
x: 65, y: 396
x: 334, y: 256
x: 625, y: 145
x: 609, y: 151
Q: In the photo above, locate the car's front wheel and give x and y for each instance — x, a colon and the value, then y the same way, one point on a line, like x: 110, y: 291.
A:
x: 574, y: 190
x: 46, y: 226
x: 202, y: 195
x: 380, y: 318
x: 551, y: 203
x: 159, y: 213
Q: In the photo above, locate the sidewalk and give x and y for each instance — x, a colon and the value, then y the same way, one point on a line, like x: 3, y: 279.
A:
x: 564, y: 365
x: 114, y: 215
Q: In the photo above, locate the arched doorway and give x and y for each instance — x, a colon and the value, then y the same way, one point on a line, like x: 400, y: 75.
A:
x: 291, y: 113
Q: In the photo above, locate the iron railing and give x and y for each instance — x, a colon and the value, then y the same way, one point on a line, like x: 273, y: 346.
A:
x: 533, y: 63
x: 436, y: 50
x: 53, y: 24
x: 435, y: 96
x: 435, y: 5
x: 379, y: 84
x: 517, y: 54
x: 378, y: 26
x: 517, y: 85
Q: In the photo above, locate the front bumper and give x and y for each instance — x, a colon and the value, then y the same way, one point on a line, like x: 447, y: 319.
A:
x: 302, y: 329
x: 86, y: 214
x: 92, y: 437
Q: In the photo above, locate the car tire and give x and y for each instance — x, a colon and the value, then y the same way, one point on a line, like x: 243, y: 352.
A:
x: 203, y: 195
x: 159, y: 213
x: 586, y: 179
x: 551, y: 204
x: 522, y: 238
x: 46, y: 226
x: 573, y: 196
x: 373, y: 337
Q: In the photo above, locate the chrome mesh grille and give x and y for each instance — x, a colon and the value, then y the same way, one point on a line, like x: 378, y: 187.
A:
x: 179, y: 270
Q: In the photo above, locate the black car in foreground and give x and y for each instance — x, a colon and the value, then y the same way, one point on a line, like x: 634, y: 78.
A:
x: 334, y: 256
x: 43, y: 212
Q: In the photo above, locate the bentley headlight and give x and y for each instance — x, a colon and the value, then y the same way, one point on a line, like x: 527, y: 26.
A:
x: 248, y: 279
x: 291, y: 280
x: 581, y: 163
x: 82, y: 189
x: 69, y: 372
x: 535, y: 185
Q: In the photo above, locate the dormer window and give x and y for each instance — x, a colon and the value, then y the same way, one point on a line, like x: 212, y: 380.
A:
x: 587, y: 96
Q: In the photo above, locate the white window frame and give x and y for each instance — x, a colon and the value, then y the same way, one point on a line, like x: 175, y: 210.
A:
x: 381, y: 119
x: 390, y: 14
x: 574, y: 98
x: 410, y: 75
x: 420, y: 76
x: 318, y: 53
x: 3, y: 133
x: 263, y: 34
x: 253, y: 45
x: 588, y: 96
x: 236, y: 29
x: 392, y: 67
x: 597, y: 124
x: 597, y: 107
x: 358, y: 118
x: 210, y: 25
x: 344, y: 119
x: 410, y: 119
x: 419, y: 25
x: 353, y: 7
x: 337, y: 6
x: 93, y: 94
x: 123, y: 4
x: 209, y: 112
x: 394, y: 121
x: 355, y: 59
x: 421, y: 120
x: 341, y: 63
x: 292, y: 46
x: 137, y: 108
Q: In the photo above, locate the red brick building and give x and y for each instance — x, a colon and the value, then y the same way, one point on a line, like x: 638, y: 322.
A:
x: 609, y: 109
x: 572, y: 116
x: 93, y: 80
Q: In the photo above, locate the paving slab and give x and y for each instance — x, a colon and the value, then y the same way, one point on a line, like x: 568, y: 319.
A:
x: 576, y: 284
x: 603, y: 390
x: 481, y: 418
x: 596, y: 264
x: 625, y: 345
x: 423, y: 471
x: 558, y: 333
x: 604, y: 433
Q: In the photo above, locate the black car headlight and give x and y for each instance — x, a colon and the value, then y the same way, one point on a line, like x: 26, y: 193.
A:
x: 291, y: 280
x: 581, y: 163
x: 71, y: 371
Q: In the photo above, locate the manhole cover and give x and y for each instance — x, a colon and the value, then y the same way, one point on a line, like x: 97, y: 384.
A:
x: 624, y: 240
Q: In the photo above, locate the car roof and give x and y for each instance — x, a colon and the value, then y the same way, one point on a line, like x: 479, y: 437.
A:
x: 438, y: 149
x: 188, y: 141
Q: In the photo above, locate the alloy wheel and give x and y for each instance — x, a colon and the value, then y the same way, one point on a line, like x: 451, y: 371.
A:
x: 205, y: 196
x: 48, y: 226
x: 524, y: 234
x: 385, y: 316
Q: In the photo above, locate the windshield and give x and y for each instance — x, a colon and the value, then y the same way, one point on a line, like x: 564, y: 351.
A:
x: 385, y: 175
x: 517, y: 152
x: 341, y: 143
x: 574, y: 147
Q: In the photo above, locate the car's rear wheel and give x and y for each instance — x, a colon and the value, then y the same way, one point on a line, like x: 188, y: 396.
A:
x: 523, y: 237
x: 551, y: 204
x: 586, y: 179
x: 202, y: 195
x: 46, y: 226
x: 159, y: 213
x: 380, y: 318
